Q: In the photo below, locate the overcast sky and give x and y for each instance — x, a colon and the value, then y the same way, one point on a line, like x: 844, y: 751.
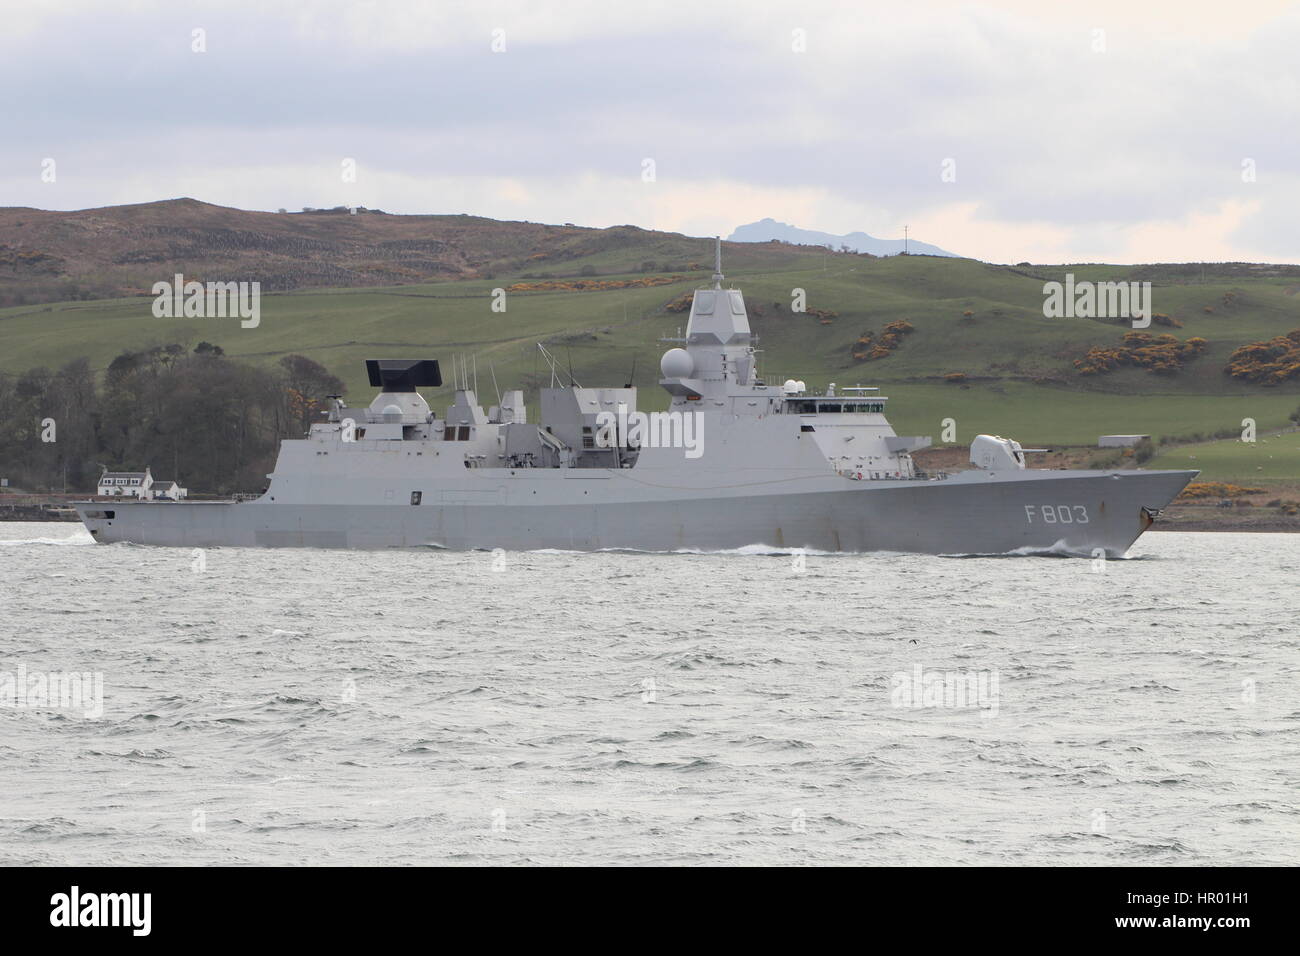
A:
x: 1126, y: 131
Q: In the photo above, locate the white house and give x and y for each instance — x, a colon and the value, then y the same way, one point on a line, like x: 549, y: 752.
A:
x: 167, y: 491
x: 125, y: 484
x: 139, y: 484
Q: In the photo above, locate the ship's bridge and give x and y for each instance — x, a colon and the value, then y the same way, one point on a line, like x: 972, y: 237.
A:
x: 834, y: 406
x: 853, y: 401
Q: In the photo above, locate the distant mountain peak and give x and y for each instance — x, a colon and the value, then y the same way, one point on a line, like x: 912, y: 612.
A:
x: 765, y: 230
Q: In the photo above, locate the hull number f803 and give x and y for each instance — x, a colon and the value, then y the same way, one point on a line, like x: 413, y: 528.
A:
x: 1057, y: 514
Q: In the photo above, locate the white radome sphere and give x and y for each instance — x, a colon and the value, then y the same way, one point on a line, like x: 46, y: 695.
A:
x: 677, y: 363
x: 791, y: 387
x: 392, y: 410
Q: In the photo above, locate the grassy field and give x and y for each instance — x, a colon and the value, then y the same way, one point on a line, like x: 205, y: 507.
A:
x: 1020, y: 378
x: 1041, y: 415
x: 1269, y: 459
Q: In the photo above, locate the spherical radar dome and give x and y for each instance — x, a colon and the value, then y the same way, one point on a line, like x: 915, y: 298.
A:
x: 392, y: 410
x: 677, y: 363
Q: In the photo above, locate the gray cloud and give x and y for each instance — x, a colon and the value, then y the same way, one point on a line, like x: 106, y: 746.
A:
x: 1068, y: 145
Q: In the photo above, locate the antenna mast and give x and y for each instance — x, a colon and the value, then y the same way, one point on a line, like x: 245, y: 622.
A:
x: 717, y: 264
x: 554, y: 362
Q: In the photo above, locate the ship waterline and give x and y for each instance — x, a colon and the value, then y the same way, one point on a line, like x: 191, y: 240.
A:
x: 735, y: 462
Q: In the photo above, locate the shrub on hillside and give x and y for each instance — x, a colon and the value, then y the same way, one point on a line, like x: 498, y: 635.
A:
x: 680, y: 304
x: 592, y: 285
x: 1267, y: 363
x: 869, y: 348
x: 1162, y: 354
x: 1216, y: 489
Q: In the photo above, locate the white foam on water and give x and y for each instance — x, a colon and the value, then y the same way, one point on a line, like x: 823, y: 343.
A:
x: 78, y: 539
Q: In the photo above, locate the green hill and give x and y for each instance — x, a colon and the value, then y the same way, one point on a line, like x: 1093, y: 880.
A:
x: 1020, y: 376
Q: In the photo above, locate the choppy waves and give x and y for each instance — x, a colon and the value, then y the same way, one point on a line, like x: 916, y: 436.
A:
x: 761, y: 706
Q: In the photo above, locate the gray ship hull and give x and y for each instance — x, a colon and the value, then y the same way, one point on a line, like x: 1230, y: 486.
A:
x: 975, y: 512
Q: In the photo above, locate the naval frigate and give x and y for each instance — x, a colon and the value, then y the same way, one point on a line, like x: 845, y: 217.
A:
x: 734, y: 462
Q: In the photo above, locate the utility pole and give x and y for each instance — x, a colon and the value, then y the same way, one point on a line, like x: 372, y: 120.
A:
x: 904, y: 240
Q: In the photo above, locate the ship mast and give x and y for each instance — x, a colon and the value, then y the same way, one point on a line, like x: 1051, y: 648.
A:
x: 717, y: 264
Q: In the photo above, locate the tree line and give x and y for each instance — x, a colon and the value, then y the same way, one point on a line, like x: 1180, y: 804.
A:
x: 207, y: 421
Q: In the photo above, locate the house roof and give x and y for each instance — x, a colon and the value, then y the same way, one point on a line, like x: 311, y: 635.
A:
x: 121, y: 474
x: 163, y: 485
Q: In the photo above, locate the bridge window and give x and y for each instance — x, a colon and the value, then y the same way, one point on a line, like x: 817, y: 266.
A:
x: 812, y: 407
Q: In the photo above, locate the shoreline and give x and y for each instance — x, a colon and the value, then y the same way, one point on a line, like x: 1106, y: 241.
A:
x: 37, y: 512
x: 1210, y: 518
